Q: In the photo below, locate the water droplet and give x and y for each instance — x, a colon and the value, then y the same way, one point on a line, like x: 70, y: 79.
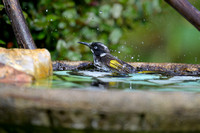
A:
x: 47, y: 10
x: 132, y: 57
x: 100, y: 12
x: 51, y: 19
x: 119, y: 52
x: 124, y: 66
x: 35, y: 20
x: 142, y: 42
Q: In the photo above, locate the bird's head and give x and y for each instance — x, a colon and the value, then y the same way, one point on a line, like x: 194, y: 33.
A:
x: 97, y: 48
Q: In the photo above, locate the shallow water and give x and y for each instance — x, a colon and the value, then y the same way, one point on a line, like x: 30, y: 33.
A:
x: 133, y: 82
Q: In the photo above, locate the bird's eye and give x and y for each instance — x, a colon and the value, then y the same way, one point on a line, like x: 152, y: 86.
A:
x: 95, y: 47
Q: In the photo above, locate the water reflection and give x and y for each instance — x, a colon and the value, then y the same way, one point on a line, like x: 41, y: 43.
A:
x: 100, y: 84
x: 132, y: 82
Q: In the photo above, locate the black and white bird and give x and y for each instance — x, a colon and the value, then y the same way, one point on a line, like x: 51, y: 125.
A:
x: 103, y: 60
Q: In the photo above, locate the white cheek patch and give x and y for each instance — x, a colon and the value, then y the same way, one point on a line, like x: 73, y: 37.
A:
x: 103, y: 54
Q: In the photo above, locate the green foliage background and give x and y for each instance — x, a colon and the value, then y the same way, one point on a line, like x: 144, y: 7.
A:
x: 134, y: 30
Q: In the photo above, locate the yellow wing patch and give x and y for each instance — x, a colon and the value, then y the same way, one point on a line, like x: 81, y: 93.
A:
x: 119, y: 67
x: 146, y: 72
x: 115, y: 64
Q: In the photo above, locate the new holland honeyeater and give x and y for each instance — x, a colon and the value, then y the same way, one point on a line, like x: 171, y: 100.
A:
x: 103, y: 60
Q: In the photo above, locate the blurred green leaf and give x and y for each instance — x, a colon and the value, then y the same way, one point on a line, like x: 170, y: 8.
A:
x: 105, y: 11
x: 2, y: 42
x: 88, y: 33
x: 25, y: 15
x: 1, y: 7
x: 61, y: 44
x: 59, y: 5
x: 115, y: 35
x: 41, y: 36
x: 116, y: 10
x: 51, y: 17
x: 92, y: 20
x: 73, y: 55
x: 39, y: 24
x: 62, y: 25
x: 70, y: 14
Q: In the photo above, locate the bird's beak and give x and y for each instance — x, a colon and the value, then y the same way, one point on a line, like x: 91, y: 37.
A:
x: 85, y: 43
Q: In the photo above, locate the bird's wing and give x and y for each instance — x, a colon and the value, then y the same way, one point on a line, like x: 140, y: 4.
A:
x: 116, y: 64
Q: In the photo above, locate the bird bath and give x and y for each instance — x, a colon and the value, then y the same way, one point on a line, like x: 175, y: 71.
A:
x: 87, y: 100
x: 95, y: 80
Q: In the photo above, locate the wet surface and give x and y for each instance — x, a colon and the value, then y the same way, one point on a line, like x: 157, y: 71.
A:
x: 170, y: 69
x: 132, y: 82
